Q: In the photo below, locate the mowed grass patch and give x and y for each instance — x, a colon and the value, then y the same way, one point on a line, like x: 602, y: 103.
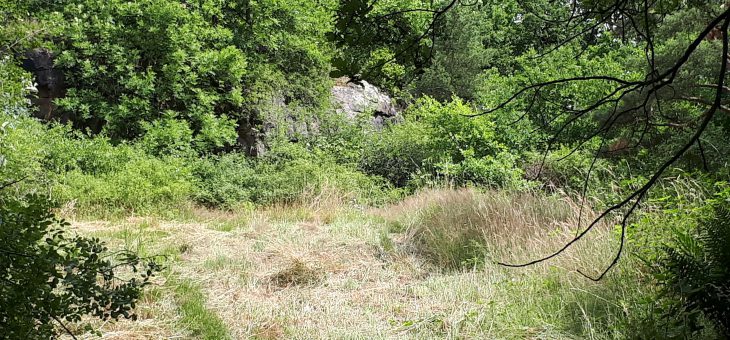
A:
x: 283, y: 273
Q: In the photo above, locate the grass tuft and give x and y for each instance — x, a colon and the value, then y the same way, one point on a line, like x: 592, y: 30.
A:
x: 296, y: 274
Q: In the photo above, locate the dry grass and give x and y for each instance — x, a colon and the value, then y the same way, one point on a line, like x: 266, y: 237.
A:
x: 459, y: 228
x: 296, y: 274
x: 327, y: 270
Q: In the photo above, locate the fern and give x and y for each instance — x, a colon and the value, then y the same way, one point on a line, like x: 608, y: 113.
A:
x: 697, y: 270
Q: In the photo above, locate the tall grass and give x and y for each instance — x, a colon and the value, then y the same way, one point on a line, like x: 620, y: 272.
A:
x: 465, y: 229
x: 460, y: 228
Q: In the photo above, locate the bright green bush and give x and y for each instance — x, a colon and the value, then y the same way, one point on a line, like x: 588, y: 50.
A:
x: 224, y: 181
x: 13, y: 84
x: 440, y: 142
x: 288, y: 173
x: 92, y: 173
x: 396, y: 153
x: 128, y: 63
x: 300, y: 180
x: 141, y: 186
x: 168, y: 137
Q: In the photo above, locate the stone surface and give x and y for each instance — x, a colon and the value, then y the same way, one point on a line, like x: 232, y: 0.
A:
x: 49, y: 82
x: 355, y: 99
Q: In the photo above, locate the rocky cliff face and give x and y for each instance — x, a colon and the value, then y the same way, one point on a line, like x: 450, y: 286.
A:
x: 49, y: 82
x: 356, y: 99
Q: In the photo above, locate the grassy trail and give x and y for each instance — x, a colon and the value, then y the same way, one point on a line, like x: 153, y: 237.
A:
x: 343, y: 273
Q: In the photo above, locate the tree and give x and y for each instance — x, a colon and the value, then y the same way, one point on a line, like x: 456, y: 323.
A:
x: 208, y: 66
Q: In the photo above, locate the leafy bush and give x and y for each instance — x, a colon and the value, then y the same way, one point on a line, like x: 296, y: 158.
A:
x: 288, y: 173
x: 143, y: 185
x: 696, y: 269
x: 224, y: 181
x: 94, y: 174
x: 440, y: 142
x: 50, y: 277
x: 168, y: 137
x: 13, y: 85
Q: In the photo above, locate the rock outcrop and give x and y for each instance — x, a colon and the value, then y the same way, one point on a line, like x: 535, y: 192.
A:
x: 353, y: 99
x: 49, y: 82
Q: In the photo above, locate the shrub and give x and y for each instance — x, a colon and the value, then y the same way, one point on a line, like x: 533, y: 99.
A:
x: 302, y: 180
x: 50, y: 277
x: 143, y: 185
x: 440, y: 142
x: 289, y: 173
x: 13, y: 86
x: 94, y: 174
x: 168, y: 137
x: 696, y: 270
x: 224, y: 181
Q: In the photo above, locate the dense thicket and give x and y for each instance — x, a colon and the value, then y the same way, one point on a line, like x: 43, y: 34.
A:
x: 186, y: 74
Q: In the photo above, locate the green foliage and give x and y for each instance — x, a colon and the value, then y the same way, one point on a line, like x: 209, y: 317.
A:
x: 144, y: 185
x: 224, y: 181
x: 13, y: 85
x: 440, y: 142
x: 92, y: 174
x: 382, y: 42
x: 287, y: 174
x: 568, y: 170
x: 168, y: 137
x: 127, y: 63
x: 696, y: 269
x: 134, y: 68
x: 441, y: 47
x: 483, y: 36
x: 50, y: 277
